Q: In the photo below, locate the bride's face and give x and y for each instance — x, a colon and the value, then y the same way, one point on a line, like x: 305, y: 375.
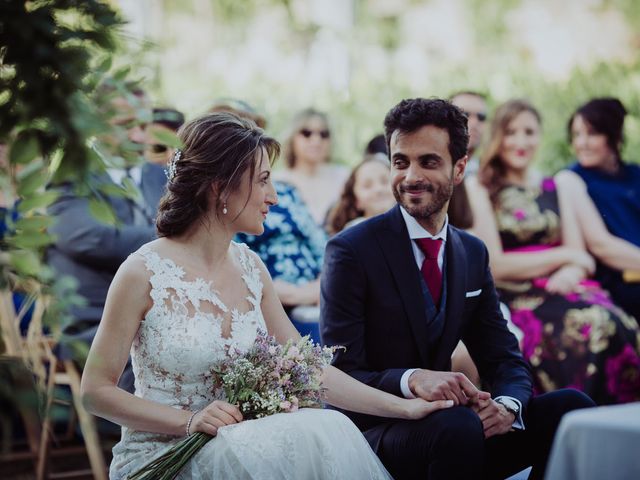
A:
x: 250, y: 204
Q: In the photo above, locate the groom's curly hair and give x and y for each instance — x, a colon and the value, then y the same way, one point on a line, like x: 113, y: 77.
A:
x: 218, y: 149
x: 412, y: 114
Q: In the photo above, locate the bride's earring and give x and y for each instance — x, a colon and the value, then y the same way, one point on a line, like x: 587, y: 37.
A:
x: 224, y: 208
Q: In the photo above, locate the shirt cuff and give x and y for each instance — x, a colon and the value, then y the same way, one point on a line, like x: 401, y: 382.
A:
x: 404, y: 383
x: 518, y: 423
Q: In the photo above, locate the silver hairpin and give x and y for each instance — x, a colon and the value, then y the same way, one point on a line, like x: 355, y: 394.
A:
x: 170, y: 171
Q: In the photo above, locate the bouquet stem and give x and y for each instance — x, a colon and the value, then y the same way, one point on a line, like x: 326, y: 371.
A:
x: 171, y: 462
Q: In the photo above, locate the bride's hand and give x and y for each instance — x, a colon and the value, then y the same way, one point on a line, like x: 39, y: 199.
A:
x: 215, y: 415
x: 418, y: 408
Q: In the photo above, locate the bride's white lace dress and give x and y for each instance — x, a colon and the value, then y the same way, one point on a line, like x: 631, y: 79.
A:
x: 173, y: 352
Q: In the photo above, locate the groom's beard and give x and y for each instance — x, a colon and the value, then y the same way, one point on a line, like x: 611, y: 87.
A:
x: 417, y: 207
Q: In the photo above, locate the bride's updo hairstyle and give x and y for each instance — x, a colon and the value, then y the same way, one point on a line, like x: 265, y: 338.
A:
x: 217, y: 150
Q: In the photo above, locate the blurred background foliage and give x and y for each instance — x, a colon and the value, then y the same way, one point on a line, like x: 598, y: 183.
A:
x: 57, y: 81
x: 357, y: 58
x: 52, y: 54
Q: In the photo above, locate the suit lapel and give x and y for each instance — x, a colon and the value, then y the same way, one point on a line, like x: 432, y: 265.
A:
x: 146, y: 188
x: 152, y: 182
x: 396, y: 247
x: 456, y: 288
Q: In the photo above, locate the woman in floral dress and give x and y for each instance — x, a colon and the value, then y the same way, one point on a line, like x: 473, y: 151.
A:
x: 574, y: 336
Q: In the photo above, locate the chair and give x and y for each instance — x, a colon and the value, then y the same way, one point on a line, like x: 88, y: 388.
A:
x: 14, y: 367
x: 37, y: 352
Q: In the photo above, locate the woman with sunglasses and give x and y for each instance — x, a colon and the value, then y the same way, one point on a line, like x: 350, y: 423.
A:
x: 307, y: 153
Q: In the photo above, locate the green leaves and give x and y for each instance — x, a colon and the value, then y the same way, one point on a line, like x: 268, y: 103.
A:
x: 31, y: 182
x: 102, y: 211
x: 25, y: 262
x: 166, y: 137
x: 38, y: 201
x: 24, y: 149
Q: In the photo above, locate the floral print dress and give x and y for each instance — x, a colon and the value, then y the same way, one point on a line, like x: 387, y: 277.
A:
x: 292, y: 245
x: 580, y: 340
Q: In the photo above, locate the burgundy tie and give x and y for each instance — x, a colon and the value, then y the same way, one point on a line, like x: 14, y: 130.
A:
x: 430, y: 270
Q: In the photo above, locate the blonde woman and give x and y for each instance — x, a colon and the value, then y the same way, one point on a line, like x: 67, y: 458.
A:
x: 307, y: 155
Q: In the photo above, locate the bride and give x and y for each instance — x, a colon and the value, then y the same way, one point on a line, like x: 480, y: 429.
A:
x: 182, y: 301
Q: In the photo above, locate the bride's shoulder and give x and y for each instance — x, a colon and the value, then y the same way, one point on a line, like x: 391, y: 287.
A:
x: 135, y: 266
x: 249, y: 259
x: 140, y: 263
x: 245, y: 254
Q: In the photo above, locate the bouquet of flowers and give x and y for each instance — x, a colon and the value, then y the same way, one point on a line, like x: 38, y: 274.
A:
x: 266, y: 379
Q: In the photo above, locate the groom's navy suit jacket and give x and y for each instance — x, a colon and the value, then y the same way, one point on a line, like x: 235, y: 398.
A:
x: 373, y: 303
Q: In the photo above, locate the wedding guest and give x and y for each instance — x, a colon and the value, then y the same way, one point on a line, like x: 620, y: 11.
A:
x: 307, y: 155
x: 183, y: 302
x: 574, y: 335
x: 596, y: 133
x: 91, y: 251
x: 376, y: 145
x: 163, y: 121
x: 239, y: 107
x: 366, y: 193
x: 401, y: 289
x: 474, y: 105
x: 292, y: 248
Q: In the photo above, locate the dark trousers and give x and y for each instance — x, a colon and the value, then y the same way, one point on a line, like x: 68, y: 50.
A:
x: 450, y: 443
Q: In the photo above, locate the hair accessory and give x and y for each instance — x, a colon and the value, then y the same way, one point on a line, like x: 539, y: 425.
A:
x: 170, y: 171
x: 189, y: 423
x: 224, y: 208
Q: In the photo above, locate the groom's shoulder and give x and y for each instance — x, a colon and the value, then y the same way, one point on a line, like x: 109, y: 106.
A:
x: 471, y: 243
x: 362, y: 231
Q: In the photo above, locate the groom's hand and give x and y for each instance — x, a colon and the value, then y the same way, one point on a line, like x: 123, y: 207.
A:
x: 431, y: 385
x: 496, y: 420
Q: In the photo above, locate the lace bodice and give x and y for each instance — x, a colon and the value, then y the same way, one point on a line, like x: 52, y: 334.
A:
x: 179, y: 341
x: 181, y: 338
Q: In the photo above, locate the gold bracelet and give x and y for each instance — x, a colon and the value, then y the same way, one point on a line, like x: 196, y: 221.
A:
x: 189, y: 422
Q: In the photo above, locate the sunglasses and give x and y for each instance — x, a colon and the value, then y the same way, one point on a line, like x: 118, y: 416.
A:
x: 306, y: 133
x: 157, y: 148
x: 481, y: 116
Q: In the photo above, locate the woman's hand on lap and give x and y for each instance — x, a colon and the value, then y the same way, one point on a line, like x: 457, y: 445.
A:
x: 215, y: 415
x: 418, y: 408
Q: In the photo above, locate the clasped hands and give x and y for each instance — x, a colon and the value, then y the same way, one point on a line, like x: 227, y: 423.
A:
x: 434, y: 386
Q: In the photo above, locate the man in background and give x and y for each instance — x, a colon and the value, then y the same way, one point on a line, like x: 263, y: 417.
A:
x: 91, y: 251
x: 164, y: 122
x: 474, y: 105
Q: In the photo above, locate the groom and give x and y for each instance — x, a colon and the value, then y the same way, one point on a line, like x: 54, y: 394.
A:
x: 401, y: 289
